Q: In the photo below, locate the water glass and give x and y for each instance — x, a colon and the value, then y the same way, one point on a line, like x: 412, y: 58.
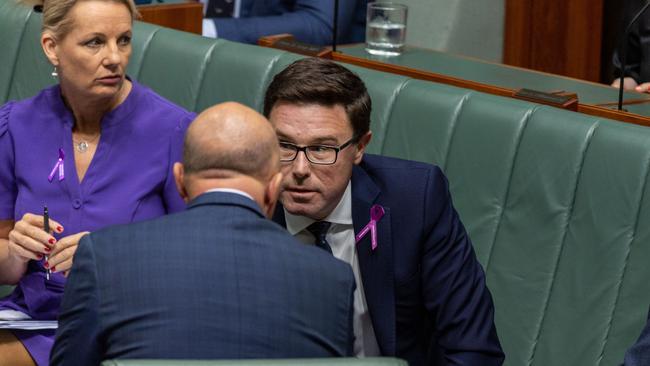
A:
x: 385, y: 28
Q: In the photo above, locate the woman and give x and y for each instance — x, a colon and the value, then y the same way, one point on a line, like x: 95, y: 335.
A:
x: 97, y: 149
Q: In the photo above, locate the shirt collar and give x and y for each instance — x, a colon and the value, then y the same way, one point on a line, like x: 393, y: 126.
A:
x: 342, y: 214
x: 230, y: 190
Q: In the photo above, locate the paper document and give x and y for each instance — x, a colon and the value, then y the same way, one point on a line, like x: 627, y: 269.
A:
x: 12, y: 319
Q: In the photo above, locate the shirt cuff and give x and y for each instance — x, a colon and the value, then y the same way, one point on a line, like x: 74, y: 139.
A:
x: 209, y: 28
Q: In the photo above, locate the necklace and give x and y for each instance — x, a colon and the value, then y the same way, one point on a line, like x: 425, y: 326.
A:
x: 83, y: 145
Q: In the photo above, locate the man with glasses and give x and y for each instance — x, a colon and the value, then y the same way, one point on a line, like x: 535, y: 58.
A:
x: 421, y: 293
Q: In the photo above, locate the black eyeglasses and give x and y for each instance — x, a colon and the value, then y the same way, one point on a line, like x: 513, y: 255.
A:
x: 316, y: 154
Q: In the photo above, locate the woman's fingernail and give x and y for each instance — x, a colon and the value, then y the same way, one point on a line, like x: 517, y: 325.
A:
x: 47, y: 249
x: 51, y: 241
x: 59, y: 229
x: 53, y: 268
x: 47, y: 265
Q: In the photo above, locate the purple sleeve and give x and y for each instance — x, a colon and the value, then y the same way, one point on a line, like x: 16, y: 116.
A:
x: 8, y: 188
x: 171, y: 197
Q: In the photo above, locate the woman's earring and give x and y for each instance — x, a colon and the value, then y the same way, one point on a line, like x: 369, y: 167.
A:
x: 54, y: 72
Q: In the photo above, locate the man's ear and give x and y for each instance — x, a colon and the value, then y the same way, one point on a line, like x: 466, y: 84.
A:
x: 179, y: 179
x: 272, y: 193
x: 361, y: 146
x: 49, y: 45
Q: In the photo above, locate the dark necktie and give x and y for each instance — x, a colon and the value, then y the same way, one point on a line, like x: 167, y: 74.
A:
x: 319, y: 230
x: 220, y: 8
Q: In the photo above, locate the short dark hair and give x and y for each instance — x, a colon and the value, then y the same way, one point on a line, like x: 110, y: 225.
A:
x: 323, y: 82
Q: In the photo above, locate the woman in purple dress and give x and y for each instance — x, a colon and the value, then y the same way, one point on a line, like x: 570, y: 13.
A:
x: 97, y: 149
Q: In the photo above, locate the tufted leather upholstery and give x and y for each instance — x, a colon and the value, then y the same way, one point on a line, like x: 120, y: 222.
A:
x: 557, y: 203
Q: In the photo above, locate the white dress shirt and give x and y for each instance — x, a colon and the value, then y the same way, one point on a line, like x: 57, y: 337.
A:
x: 231, y: 190
x: 209, y: 27
x: 341, y: 239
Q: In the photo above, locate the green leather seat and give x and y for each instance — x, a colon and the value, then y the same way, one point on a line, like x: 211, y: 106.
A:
x: 557, y: 203
x: 376, y: 361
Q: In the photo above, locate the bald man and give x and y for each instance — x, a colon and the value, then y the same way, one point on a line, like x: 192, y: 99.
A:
x: 218, y: 280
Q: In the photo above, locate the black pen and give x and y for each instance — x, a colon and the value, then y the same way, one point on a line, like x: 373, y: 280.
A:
x: 46, y: 227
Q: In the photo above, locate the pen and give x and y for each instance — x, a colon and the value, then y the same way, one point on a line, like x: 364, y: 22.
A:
x: 46, y: 227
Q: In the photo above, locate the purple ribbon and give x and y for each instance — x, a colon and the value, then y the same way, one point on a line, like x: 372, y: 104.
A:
x: 376, y: 213
x: 58, y: 166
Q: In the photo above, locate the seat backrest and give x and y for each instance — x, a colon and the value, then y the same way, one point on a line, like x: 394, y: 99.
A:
x: 555, y: 203
x: 371, y: 361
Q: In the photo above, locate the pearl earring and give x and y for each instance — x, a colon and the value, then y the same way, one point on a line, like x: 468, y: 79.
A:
x: 54, y: 72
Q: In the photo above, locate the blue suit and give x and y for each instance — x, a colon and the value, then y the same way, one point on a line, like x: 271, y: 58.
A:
x: 424, y: 287
x: 218, y: 280
x: 639, y: 353
x: 309, y: 21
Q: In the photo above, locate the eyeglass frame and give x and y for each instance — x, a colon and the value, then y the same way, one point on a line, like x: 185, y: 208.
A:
x: 304, y: 148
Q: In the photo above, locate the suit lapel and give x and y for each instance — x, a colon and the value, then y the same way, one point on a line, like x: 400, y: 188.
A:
x: 376, y: 266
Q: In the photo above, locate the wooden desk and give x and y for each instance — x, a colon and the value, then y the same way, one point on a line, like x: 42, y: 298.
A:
x: 185, y: 15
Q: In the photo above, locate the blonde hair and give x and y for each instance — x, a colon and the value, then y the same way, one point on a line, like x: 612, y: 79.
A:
x: 55, y: 14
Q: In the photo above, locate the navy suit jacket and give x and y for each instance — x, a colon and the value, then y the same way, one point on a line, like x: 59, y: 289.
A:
x: 424, y: 287
x: 218, y: 280
x: 639, y: 353
x: 309, y: 21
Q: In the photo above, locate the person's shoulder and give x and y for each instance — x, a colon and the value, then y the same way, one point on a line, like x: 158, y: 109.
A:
x: 378, y: 166
x: 161, y: 110
x: 35, y: 109
x: 127, y: 237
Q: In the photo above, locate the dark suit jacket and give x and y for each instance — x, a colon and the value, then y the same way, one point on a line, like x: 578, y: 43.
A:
x: 425, y: 290
x: 215, y: 281
x: 308, y: 20
x: 639, y: 353
x: 638, y: 44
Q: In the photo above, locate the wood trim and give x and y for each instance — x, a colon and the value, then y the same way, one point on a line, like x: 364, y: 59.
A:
x: 560, y: 37
x: 593, y: 110
x: 186, y: 17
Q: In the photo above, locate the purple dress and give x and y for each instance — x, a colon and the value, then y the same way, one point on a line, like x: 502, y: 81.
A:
x: 129, y: 179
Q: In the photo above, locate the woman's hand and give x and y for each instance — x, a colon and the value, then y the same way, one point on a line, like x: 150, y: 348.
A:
x: 60, y: 259
x: 28, y: 240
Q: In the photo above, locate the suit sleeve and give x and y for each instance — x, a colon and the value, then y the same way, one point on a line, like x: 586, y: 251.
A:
x: 639, y: 353
x: 77, y: 338
x: 453, y: 284
x: 8, y: 189
x: 353, y: 287
x: 309, y: 21
x: 171, y: 197
x: 634, y: 55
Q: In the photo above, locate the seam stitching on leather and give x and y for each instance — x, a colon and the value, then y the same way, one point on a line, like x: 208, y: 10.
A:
x: 259, y: 104
x: 145, y: 46
x: 515, y: 154
x: 20, y: 42
x: 389, y: 114
x: 454, y: 127
x: 627, y: 258
x: 204, y: 67
x: 590, y: 135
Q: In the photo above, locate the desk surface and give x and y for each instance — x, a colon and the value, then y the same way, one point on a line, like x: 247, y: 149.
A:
x: 502, y: 75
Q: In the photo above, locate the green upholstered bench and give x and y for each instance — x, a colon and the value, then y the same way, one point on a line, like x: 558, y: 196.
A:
x: 557, y: 203
x: 371, y: 361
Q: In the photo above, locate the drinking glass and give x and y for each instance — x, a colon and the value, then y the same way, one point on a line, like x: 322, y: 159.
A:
x: 385, y: 28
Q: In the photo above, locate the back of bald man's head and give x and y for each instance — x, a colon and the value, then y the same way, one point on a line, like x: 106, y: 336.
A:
x: 230, y: 139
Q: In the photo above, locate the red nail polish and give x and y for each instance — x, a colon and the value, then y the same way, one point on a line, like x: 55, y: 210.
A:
x: 51, y: 241
x: 47, y: 265
x: 59, y: 229
x: 40, y: 256
x: 53, y: 269
x: 47, y: 249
